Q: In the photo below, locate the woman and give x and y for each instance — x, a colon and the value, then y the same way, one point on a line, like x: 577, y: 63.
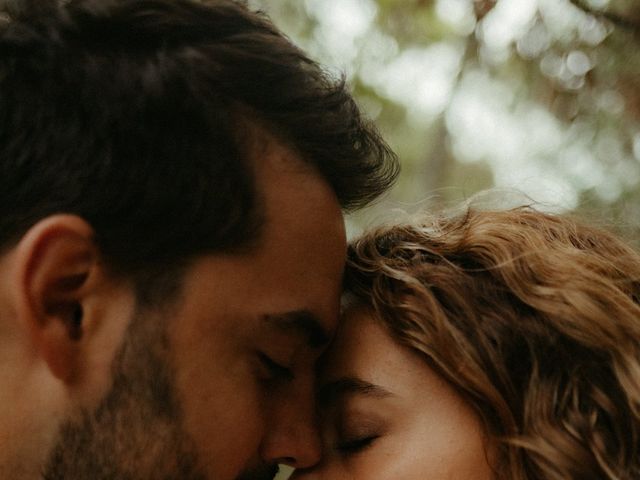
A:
x: 495, y: 345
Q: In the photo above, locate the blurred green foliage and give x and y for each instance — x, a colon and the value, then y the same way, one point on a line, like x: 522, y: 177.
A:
x: 538, y: 96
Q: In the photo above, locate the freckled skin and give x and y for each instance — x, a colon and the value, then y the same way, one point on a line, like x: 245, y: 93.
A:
x: 424, y: 429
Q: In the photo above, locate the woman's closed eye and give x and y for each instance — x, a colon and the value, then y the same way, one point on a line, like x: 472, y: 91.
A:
x: 355, y: 444
x: 356, y: 431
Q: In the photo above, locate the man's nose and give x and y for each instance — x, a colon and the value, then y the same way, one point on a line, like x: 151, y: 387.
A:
x: 293, y: 438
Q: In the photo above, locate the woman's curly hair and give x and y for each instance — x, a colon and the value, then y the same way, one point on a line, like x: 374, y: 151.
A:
x: 533, y: 318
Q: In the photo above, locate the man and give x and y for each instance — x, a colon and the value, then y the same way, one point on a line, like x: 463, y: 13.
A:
x: 172, y: 175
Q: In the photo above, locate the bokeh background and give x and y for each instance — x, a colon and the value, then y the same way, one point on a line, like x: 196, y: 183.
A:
x: 540, y: 97
x: 536, y: 96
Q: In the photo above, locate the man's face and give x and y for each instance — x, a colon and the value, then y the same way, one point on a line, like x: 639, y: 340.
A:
x: 220, y: 385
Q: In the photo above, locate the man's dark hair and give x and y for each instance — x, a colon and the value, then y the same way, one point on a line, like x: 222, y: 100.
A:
x: 131, y: 114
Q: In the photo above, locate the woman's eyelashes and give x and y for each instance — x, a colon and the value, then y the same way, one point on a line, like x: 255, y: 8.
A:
x: 355, y: 432
x: 274, y: 371
x: 355, y: 445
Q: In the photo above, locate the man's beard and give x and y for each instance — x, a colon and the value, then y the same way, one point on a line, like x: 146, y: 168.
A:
x: 135, y: 433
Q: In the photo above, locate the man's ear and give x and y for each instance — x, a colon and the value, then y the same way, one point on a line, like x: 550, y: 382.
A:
x: 57, y: 279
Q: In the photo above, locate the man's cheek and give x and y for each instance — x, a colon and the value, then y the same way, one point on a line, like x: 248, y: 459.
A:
x: 227, y: 432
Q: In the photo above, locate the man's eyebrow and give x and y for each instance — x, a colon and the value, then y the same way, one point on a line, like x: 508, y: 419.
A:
x: 350, y: 386
x: 302, y: 323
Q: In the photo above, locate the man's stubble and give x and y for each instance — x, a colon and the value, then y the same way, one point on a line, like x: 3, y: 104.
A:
x: 136, y: 432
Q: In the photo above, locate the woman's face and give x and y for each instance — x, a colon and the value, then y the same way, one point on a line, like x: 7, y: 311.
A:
x: 386, y: 414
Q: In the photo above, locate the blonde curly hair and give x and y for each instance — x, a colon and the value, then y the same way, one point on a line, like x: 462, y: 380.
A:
x: 534, y: 318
